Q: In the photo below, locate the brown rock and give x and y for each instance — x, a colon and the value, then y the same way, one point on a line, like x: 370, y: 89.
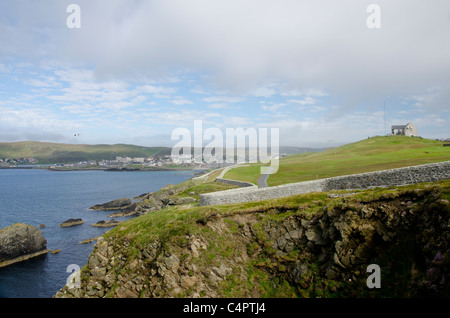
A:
x: 19, y: 240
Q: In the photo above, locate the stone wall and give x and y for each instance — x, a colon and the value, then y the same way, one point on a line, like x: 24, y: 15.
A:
x: 241, y: 184
x: 392, y: 177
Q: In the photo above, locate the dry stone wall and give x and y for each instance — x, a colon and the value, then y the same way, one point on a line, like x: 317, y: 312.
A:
x: 392, y: 177
x: 241, y: 184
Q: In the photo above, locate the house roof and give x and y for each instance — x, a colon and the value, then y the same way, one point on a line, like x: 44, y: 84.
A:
x: 399, y: 126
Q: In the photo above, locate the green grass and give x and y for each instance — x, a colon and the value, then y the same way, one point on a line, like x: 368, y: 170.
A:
x: 265, y: 271
x: 60, y: 153
x: 377, y: 153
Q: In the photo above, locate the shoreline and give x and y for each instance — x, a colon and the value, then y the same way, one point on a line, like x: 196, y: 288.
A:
x: 122, y: 169
x: 24, y: 257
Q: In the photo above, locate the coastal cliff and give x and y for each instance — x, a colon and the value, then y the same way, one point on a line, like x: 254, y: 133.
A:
x: 313, y: 245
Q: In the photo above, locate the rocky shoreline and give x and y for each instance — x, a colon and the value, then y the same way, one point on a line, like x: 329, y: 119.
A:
x: 112, y: 205
x: 318, y: 247
x: 20, y: 242
x: 102, y: 223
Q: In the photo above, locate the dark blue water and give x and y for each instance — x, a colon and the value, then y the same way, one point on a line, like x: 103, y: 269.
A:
x: 34, y: 196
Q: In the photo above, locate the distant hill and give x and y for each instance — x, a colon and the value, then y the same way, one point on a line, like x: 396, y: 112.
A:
x: 47, y: 152
x: 377, y: 153
x: 296, y: 150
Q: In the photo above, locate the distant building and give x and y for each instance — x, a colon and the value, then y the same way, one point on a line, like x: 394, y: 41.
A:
x: 404, y: 130
x: 138, y: 160
x: 123, y: 159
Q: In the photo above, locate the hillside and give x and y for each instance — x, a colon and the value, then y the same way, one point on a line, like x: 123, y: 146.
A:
x: 46, y: 152
x: 319, y: 244
x: 377, y: 153
x: 312, y: 245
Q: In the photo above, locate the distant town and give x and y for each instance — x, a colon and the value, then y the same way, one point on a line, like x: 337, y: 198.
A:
x: 120, y: 163
x: 159, y: 162
x: 17, y: 161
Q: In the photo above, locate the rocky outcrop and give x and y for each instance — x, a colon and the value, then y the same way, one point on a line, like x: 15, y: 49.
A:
x: 318, y: 247
x: 129, y: 210
x: 71, y: 222
x: 112, y: 205
x: 102, y: 223
x: 155, y: 201
x: 147, y: 202
x: 19, y: 242
x: 405, y: 233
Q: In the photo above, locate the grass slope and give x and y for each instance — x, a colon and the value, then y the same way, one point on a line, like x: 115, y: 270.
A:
x: 235, y: 235
x: 148, y: 256
x: 60, y: 153
x: 373, y: 154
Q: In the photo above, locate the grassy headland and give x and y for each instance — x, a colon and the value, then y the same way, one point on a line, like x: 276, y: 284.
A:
x: 372, y: 154
x: 312, y: 245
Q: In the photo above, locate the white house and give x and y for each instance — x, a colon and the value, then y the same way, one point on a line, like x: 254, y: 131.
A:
x: 404, y: 130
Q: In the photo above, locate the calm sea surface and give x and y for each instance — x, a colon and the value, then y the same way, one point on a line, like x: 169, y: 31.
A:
x: 35, y: 196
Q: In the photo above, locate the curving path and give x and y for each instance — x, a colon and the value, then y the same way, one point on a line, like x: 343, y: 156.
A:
x: 262, y: 181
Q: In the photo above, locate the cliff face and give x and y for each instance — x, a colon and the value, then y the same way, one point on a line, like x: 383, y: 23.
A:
x: 319, y: 244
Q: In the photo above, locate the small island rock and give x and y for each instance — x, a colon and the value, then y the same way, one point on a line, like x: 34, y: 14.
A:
x: 112, y: 205
x: 19, y: 242
x: 106, y: 224
x: 71, y: 222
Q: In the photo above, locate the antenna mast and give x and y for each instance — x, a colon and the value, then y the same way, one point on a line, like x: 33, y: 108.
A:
x: 384, y: 117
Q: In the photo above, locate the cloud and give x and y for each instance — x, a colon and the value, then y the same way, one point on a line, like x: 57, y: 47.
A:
x: 264, y: 92
x: 314, y: 62
x: 35, y: 123
x: 273, y: 107
x: 180, y: 101
x: 303, y: 44
x: 308, y: 100
x: 218, y: 106
x: 157, y: 91
x: 225, y: 99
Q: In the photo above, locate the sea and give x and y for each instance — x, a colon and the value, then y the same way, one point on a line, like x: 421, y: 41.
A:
x: 42, y: 197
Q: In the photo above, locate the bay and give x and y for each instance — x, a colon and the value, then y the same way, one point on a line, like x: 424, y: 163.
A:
x: 39, y: 196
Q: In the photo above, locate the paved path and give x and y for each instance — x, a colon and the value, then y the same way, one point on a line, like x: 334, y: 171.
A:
x: 262, y: 181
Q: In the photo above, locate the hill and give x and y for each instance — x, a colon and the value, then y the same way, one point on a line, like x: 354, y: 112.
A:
x: 47, y: 152
x: 372, y: 154
x: 289, y: 150
x: 320, y: 244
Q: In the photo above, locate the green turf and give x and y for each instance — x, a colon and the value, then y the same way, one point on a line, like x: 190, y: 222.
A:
x: 372, y: 154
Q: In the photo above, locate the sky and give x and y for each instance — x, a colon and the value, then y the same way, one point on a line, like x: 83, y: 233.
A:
x: 134, y: 71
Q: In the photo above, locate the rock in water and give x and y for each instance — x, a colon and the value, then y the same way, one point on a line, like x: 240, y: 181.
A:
x: 113, y: 205
x: 20, y: 240
x: 71, y: 222
x: 106, y: 224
